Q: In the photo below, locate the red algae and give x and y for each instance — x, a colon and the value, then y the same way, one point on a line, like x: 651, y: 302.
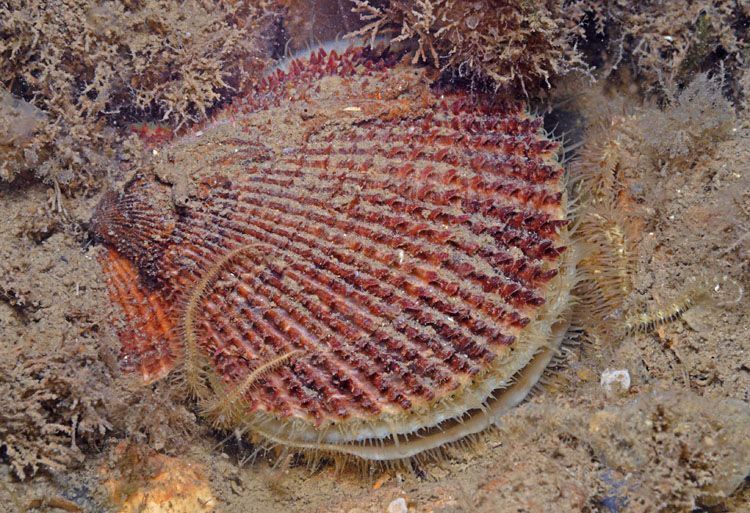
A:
x: 377, y: 264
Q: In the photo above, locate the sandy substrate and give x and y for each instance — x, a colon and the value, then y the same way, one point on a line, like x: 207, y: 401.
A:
x: 677, y: 439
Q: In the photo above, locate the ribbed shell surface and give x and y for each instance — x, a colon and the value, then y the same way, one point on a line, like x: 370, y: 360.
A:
x: 395, y: 238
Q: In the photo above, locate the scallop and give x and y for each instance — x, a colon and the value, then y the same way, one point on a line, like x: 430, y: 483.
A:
x: 353, y: 260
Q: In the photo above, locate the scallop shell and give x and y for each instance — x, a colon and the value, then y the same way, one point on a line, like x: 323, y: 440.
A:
x: 366, y: 264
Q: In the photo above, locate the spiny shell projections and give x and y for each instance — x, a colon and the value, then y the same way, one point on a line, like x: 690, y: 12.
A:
x: 359, y: 262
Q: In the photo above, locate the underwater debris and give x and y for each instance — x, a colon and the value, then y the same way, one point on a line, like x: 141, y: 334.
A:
x: 60, y: 503
x: 61, y: 394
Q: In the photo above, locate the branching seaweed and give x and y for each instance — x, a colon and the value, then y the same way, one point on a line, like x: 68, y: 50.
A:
x: 49, y: 410
x: 666, y: 43
x: 87, y: 70
x: 517, y: 45
x: 693, y: 122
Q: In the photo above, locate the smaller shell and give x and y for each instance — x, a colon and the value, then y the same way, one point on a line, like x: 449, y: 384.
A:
x: 398, y: 506
x: 615, y: 381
